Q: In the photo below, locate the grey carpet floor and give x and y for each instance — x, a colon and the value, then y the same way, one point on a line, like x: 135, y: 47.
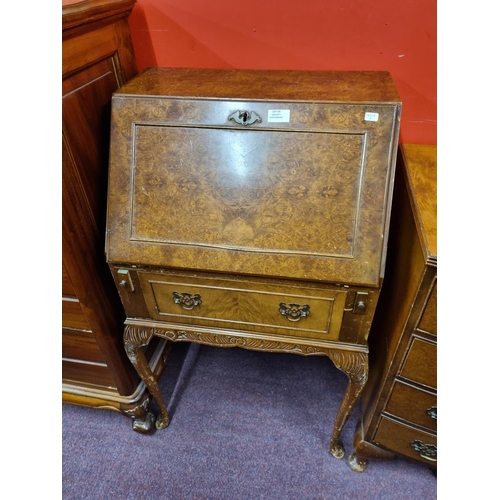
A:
x: 244, y: 425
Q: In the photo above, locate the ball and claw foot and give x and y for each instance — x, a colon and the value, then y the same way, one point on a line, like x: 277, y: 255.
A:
x: 356, y: 464
x: 337, y: 450
x: 144, y: 426
x: 162, y: 421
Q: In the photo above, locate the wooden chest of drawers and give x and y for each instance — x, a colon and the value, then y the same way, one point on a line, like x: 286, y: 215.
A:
x: 400, y: 400
x: 250, y: 208
x: 97, y: 57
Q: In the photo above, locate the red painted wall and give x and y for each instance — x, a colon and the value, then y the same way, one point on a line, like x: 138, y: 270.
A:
x: 394, y: 35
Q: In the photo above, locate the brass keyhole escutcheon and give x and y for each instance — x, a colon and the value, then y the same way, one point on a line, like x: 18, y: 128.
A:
x: 245, y: 117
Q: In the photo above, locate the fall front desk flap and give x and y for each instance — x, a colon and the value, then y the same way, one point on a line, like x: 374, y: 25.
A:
x: 274, y: 173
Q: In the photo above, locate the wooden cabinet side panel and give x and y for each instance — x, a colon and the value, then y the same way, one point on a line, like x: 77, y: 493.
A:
x: 86, y: 119
x: 97, y: 57
x: 404, y: 273
x: 90, y: 276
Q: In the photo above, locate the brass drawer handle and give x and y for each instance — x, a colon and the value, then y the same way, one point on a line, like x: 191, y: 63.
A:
x: 245, y: 117
x: 186, y: 300
x: 427, y: 451
x: 432, y: 412
x: 294, y: 312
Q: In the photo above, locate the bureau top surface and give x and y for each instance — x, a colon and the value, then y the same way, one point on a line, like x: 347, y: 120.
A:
x: 288, y: 85
x: 302, y: 191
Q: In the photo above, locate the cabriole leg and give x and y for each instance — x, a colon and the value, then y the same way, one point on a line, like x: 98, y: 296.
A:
x: 355, y: 366
x: 134, y: 339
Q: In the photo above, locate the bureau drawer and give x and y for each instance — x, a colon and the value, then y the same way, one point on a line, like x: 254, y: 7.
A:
x: 414, y: 405
x: 309, y: 313
x: 407, y: 441
x: 421, y: 362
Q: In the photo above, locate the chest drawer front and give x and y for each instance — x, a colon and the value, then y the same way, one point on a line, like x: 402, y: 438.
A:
x: 428, y: 321
x: 420, y: 364
x: 72, y: 314
x: 414, y: 405
x: 307, y: 313
x: 67, y: 287
x: 79, y: 344
x: 407, y: 441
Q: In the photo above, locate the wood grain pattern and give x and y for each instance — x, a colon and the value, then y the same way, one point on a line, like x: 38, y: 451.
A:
x: 421, y: 169
x: 82, y: 13
x: 245, y: 305
x: 420, y: 364
x: 398, y: 436
x: 88, y: 136
x: 411, y: 404
x: 266, y: 85
x: 229, y: 189
x: 73, y: 315
x: 306, y: 199
x: 67, y: 287
x: 428, y: 321
x: 80, y: 345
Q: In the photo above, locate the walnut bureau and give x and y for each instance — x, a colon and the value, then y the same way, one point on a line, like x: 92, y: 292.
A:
x: 97, y: 58
x: 399, y: 403
x: 250, y: 208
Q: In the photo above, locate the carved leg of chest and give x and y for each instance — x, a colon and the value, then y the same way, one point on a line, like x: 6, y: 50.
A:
x: 355, y: 366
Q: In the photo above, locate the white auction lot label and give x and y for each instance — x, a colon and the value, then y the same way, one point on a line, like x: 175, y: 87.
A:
x: 278, y: 115
x: 371, y: 117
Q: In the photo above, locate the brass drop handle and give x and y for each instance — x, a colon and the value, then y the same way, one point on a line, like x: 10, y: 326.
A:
x: 294, y: 312
x: 427, y: 451
x: 245, y: 117
x: 432, y: 411
x: 187, y: 300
